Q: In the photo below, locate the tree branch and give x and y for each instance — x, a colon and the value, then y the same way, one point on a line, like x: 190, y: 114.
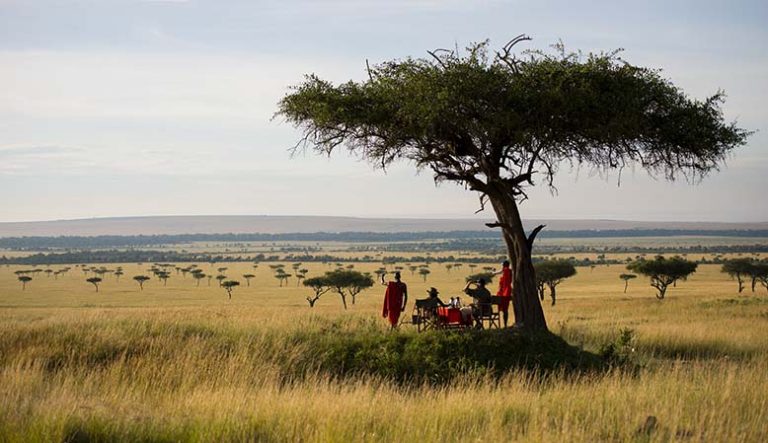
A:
x: 532, y: 237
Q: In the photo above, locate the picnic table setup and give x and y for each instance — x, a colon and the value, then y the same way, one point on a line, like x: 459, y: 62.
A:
x: 427, y: 316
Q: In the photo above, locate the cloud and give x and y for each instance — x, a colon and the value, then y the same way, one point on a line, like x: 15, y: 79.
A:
x: 41, y: 159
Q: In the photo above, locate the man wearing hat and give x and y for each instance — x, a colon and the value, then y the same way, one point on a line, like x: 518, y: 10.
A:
x: 482, y: 298
x: 434, y: 300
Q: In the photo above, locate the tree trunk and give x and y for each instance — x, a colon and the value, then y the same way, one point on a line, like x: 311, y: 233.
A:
x: 741, y: 283
x: 552, y: 294
x: 525, y: 300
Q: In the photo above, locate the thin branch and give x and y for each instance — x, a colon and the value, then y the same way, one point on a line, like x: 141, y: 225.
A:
x: 483, y: 199
x: 368, y: 68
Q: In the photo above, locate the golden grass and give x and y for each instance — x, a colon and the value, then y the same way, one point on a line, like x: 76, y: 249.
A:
x: 202, y: 368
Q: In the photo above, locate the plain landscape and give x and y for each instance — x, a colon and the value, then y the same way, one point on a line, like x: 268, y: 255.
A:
x: 178, y: 359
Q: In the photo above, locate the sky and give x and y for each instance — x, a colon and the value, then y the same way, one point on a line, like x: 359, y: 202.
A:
x: 165, y: 107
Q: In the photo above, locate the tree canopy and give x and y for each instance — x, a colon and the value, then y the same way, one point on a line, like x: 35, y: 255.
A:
x: 496, y: 123
x: 551, y: 273
x: 739, y: 268
x: 347, y: 282
x: 663, y: 271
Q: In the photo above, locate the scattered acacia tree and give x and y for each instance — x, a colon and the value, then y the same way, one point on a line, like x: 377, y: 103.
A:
x: 282, y: 276
x: 248, y: 278
x: 663, y: 271
x: 350, y: 282
x: 627, y: 278
x: 118, y: 273
x: 551, y: 273
x: 95, y: 282
x: 164, y: 276
x: 319, y: 285
x: 495, y: 123
x: 760, y: 273
x: 486, y: 276
x: 24, y: 279
x: 424, y: 272
x: 140, y: 279
x: 198, y: 276
x: 739, y: 268
x: 413, y: 269
x: 221, y: 278
x: 229, y: 285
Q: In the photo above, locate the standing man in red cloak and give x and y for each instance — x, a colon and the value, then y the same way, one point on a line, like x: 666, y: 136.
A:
x: 505, y: 290
x: 395, y: 299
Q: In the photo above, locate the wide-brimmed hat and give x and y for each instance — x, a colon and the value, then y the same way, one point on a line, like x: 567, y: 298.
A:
x: 433, y: 291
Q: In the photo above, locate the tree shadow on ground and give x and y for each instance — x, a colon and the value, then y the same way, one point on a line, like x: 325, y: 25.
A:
x: 440, y: 356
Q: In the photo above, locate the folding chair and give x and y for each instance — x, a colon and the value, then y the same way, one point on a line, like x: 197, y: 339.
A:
x: 424, y: 314
x: 489, y: 312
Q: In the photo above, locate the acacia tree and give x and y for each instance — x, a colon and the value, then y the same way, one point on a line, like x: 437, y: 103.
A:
x: 319, y: 285
x: 282, y: 276
x: 95, y: 282
x: 496, y: 123
x: 199, y: 276
x: 140, y: 279
x: 229, y: 285
x: 345, y: 281
x: 739, y: 268
x: 248, y: 278
x: 760, y: 273
x: 424, y: 272
x: 551, y: 273
x: 24, y: 279
x: 627, y: 278
x: 664, y: 271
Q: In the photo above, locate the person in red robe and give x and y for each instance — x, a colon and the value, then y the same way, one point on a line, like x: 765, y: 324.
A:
x: 395, y: 299
x: 505, y: 290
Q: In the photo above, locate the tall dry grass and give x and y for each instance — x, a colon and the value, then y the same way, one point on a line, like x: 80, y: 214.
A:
x: 181, y: 363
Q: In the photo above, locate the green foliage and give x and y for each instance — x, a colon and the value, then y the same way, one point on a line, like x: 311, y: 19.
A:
x: 437, y: 356
x: 140, y: 279
x: 229, y: 285
x: 320, y: 285
x: 596, y: 109
x: 347, y: 282
x: 487, y: 276
x: 620, y: 351
x: 551, y: 273
x: 627, y: 278
x: 95, y: 282
x: 24, y: 279
x: 739, y: 268
x: 663, y: 271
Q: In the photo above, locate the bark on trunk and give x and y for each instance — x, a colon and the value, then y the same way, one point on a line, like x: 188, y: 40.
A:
x: 525, y: 300
x: 552, y: 294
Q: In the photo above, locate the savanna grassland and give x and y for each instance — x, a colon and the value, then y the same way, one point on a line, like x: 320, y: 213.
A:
x: 179, y: 362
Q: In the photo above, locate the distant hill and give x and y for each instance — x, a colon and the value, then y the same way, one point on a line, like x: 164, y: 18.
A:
x: 266, y: 224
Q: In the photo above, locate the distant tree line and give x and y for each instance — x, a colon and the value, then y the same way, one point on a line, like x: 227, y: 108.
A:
x: 151, y: 256
x: 136, y: 241
x: 495, y: 247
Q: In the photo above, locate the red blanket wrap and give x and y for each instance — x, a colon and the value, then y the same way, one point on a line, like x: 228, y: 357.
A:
x: 505, y: 289
x: 393, y: 301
